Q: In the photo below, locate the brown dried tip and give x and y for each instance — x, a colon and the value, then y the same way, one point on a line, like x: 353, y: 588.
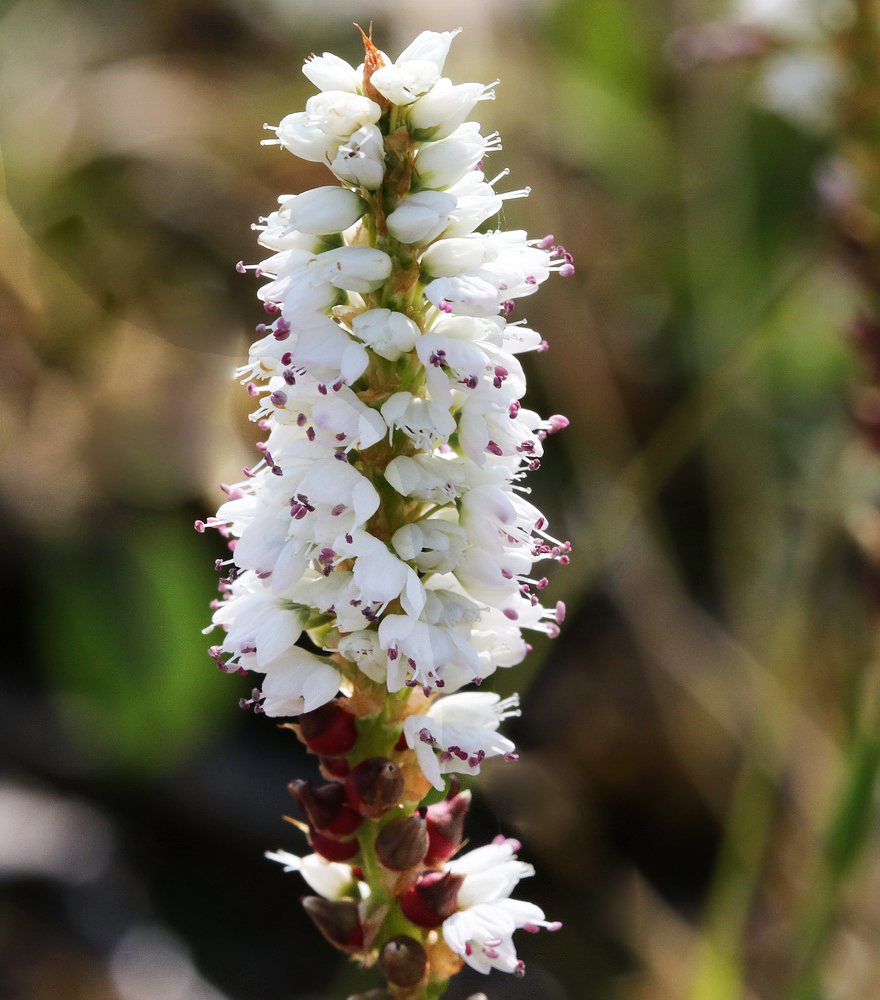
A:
x: 372, y: 61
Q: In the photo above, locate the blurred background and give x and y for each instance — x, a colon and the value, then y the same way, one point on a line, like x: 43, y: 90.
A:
x: 700, y: 747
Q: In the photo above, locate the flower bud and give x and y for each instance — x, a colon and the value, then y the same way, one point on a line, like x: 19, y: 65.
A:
x: 329, y: 730
x: 403, y: 843
x: 331, y: 849
x: 432, y: 899
x: 326, y: 808
x: 374, y: 787
x: 338, y: 920
x: 403, y: 961
x: 323, y: 210
x: 445, y: 827
x: 421, y: 217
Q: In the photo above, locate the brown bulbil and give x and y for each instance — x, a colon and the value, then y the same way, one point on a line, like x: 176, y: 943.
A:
x: 338, y: 920
x: 403, y: 961
x: 403, y: 843
x: 374, y: 787
x: 326, y: 807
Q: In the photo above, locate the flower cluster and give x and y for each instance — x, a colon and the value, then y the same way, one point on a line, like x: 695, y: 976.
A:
x: 385, y: 520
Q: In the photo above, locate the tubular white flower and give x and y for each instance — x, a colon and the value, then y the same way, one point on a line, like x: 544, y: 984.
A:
x: 443, y: 163
x: 432, y: 46
x: 439, y: 113
x: 357, y: 269
x: 421, y: 217
x: 329, y: 72
x: 323, y: 210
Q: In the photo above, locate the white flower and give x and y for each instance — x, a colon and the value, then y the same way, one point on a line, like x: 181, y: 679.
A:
x: 805, y: 85
x: 298, y: 682
x: 432, y: 46
x: 402, y: 84
x: 324, y: 349
x: 329, y: 879
x: 462, y: 728
x: 329, y: 72
x: 260, y: 627
x: 482, y: 929
x: 340, y: 113
x: 382, y: 577
x: 446, y: 105
x: 362, y: 647
x: 416, y: 69
x: 425, y: 421
x: 419, y: 653
x: 303, y: 136
x: 448, y: 258
x: 443, y: 163
x: 361, y: 160
x: 421, y: 217
x: 388, y: 333
x: 434, y: 545
x: 357, y: 269
x: 323, y: 210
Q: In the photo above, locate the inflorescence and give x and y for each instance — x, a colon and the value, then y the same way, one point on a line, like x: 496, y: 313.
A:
x: 386, y: 520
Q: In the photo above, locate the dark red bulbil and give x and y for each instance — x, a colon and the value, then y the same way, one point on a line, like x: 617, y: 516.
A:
x: 330, y: 730
x: 432, y: 899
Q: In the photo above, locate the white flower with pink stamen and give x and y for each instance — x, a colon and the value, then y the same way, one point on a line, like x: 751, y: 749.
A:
x: 481, y: 931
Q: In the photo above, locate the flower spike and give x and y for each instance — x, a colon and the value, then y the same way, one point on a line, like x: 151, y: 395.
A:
x: 382, y: 547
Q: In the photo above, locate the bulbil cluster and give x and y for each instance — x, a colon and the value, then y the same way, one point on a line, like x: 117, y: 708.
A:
x: 382, y: 548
